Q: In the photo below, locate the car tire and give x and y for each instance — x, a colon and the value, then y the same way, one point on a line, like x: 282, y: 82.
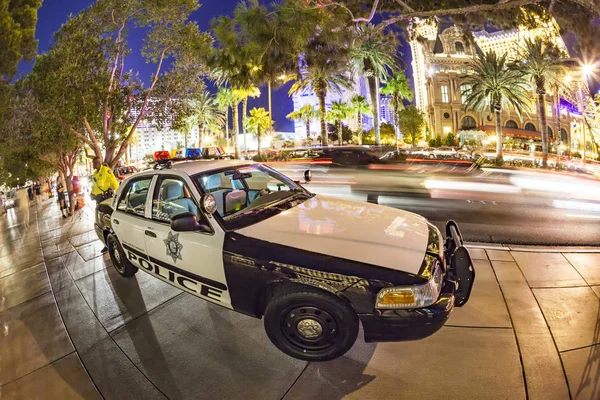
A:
x: 311, y: 324
x: 432, y: 156
x: 118, y: 258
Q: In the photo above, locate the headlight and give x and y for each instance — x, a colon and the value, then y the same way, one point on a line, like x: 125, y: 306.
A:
x: 416, y: 296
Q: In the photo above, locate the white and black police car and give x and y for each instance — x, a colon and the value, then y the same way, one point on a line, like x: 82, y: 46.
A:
x: 244, y: 236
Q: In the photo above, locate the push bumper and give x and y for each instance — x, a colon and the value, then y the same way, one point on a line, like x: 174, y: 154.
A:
x: 412, y: 324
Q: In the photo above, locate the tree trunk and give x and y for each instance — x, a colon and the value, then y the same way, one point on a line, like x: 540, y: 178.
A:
x: 244, y: 118
x: 374, y: 92
x: 227, y: 138
x: 200, y: 134
x: 543, y: 126
x: 339, y: 132
x: 498, y: 135
x: 258, y: 135
x: 308, y: 141
x: 360, y: 129
x: 413, y: 138
x: 321, y: 95
x: 236, y: 128
x: 270, y: 110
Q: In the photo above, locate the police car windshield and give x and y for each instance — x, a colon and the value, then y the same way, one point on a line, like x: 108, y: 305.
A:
x: 249, y: 194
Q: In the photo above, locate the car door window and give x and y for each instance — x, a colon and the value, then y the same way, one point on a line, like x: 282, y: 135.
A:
x: 133, y: 199
x: 172, y: 197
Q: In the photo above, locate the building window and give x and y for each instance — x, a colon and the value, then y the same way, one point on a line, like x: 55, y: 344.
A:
x: 445, y: 98
x: 550, y: 133
x: 468, y: 123
x: 511, y: 124
x: 465, y: 90
x: 446, y: 115
x: 530, y: 127
x: 549, y: 109
x: 460, y: 48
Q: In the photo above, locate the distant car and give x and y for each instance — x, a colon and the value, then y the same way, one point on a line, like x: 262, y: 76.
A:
x: 349, y: 156
x: 426, y: 152
x: 11, y: 199
x: 394, y: 155
x: 444, y: 152
x: 246, y: 237
x: 464, y: 154
x: 123, y: 172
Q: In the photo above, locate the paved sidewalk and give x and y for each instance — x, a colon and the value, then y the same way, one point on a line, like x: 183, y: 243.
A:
x: 72, y: 328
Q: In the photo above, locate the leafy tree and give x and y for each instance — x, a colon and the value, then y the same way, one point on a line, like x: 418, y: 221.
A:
x: 373, y: 56
x: 224, y: 99
x: 258, y: 122
x: 360, y: 106
x: 17, y: 34
x: 544, y: 67
x: 399, y: 88
x: 450, y: 139
x: 323, y: 55
x: 82, y: 82
x: 339, y: 112
x: 306, y: 114
x: 496, y: 85
x: 235, y: 62
x: 207, y: 114
x: 412, y: 121
x: 244, y: 94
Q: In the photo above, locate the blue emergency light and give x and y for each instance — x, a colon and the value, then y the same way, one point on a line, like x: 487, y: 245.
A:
x: 193, y: 153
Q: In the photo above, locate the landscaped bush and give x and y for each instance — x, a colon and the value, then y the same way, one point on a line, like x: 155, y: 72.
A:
x: 435, y: 142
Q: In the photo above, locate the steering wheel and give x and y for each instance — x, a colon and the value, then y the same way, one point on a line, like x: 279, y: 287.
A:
x: 263, y: 192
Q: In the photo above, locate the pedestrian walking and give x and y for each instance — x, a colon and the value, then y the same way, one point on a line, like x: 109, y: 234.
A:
x: 104, y: 183
x: 38, y: 193
x: 30, y: 192
x: 23, y: 198
x: 60, y: 190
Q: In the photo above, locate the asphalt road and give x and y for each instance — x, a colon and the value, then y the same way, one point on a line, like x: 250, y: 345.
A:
x: 525, y: 208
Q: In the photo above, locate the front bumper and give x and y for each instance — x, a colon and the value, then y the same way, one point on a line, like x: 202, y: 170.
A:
x: 412, y: 324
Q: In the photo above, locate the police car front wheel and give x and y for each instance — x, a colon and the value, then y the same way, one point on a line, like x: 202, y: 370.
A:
x: 311, y: 325
x: 117, y: 257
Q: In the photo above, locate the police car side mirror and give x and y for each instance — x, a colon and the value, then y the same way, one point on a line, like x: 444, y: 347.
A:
x: 188, y: 222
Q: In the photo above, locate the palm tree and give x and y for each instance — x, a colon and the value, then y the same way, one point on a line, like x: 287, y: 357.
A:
x: 495, y: 85
x: 543, y: 67
x: 244, y: 93
x: 259, y: 121
x: 360, y: 106
x: 373, y: 57
x: 306, y: 114
x: 399, y: 88
x: 207, y: 113
x: 339, y: 111
x: 233, y: 63
x: 321, y: 80
x: 224, y: 99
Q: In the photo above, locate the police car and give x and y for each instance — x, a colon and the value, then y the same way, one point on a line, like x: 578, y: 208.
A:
x: 246, y: 237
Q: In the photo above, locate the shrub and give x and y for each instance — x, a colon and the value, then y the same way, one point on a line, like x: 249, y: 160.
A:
x: 435, y: 142
x: 450, y: 139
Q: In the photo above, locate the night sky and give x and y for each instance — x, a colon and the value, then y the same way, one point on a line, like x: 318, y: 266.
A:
x: 54, y: 13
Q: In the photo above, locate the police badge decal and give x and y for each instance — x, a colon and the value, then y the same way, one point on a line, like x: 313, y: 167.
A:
x: 173, y: 247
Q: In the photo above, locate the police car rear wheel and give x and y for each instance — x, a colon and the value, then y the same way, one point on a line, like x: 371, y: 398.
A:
x: 117, y: 257
x: 311, y: 325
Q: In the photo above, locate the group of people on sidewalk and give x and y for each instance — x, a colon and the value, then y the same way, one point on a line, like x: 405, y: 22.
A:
x: 104, y: 183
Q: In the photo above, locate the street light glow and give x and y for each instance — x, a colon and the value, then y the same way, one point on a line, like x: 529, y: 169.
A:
x: 587, y: 69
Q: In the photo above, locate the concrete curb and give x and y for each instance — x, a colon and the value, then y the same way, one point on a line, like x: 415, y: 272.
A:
x: 533, y: 249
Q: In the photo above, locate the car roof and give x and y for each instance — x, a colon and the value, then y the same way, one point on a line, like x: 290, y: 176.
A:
x: 199, y: 166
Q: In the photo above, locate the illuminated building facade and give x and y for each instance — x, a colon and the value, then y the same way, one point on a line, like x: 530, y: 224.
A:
x: 441, y: 64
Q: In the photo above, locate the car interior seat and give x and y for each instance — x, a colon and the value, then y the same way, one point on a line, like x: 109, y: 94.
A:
x: 235, y: 201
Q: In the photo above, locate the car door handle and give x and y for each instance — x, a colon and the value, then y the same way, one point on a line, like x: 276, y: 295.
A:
x: 150, y: 233
x: 116, y: 221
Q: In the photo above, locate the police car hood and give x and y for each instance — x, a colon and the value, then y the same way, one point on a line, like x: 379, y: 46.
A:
x: 364, y: 232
